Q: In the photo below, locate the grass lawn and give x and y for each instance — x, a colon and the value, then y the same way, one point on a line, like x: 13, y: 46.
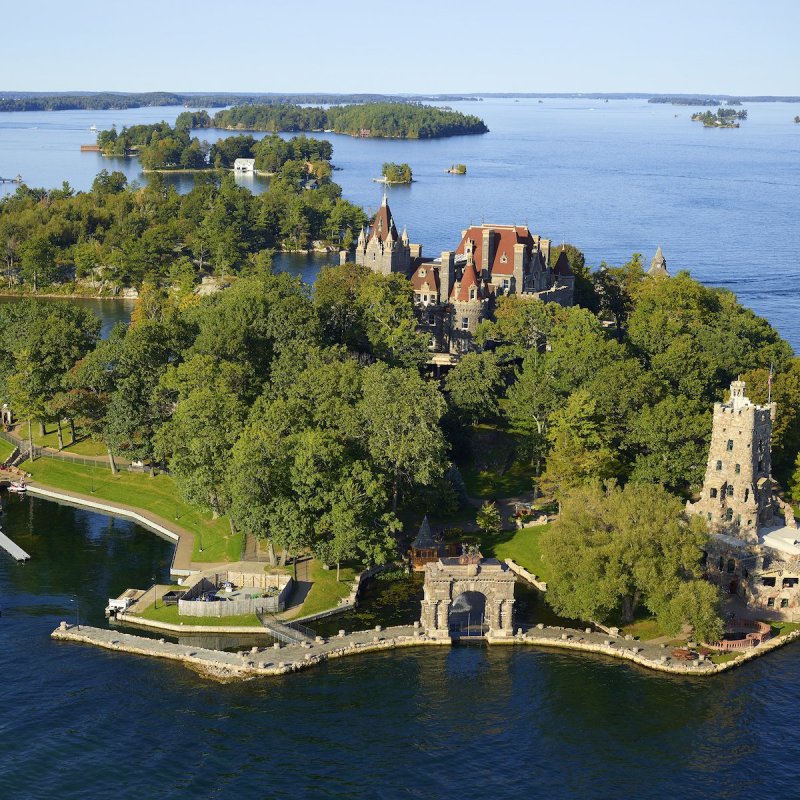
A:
x: 170, y: 614
x: 326, y: 590
x: 514, y: 481
x: 521, y: 545
x: 722, y: 658
x: 782, y: 628
x: 648, y: 628
x: 6, y: 450
x: 82, y: 447
x: 157, y: 495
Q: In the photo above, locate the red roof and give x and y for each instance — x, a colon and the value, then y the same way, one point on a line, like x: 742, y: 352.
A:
x: 430, y: 276
x: 501, y: 260
x: 468, y: 280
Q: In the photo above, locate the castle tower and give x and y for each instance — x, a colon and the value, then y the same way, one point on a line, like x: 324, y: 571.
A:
x: 383, y: 250
x: 658, y: 266
x: 738, y: 495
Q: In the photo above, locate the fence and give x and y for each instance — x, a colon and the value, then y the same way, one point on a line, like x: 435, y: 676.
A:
x: 191, y: 606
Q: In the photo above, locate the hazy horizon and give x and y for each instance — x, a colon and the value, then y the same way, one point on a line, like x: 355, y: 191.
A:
x: 417, y: 47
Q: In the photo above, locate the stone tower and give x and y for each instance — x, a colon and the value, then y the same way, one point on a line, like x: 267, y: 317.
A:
x: 383, y: 250
x: 738, y: 495
x: 658, y: 266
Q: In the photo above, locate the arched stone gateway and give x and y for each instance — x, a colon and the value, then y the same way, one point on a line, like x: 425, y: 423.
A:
x: 461, y: 580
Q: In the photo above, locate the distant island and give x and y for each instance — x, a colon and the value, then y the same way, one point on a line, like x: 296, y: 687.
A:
x: 458, y: 169
x: 368, y: 120
x: 723, y: 118
x: 797, y: 119
x: 105, y: 101
x: 302, y: 161
x: 396, y: 173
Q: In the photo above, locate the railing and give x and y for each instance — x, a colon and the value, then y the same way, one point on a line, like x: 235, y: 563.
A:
x: 286, y: 632
x: 304, y: 629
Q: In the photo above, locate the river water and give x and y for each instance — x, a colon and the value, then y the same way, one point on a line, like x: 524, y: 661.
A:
x: 612, y: 178
x: 470, y: 721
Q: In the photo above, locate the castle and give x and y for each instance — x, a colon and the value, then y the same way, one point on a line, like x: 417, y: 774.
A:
x: 754, y: 552
x: 454, y: 292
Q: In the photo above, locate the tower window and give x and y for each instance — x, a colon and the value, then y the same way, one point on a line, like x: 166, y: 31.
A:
x: 713, y: 493
x: 770, y: 602
x: 730, y: 490
x: 464, y: 323
x: 729, y: 514
x: 784, y: 603
x: 721, y: 563
x: 708, y: 515
x: 730, y: 444
x: 738, y: 519
x: 746, y: 494
x: 738, y: 469
x: 719, y: 466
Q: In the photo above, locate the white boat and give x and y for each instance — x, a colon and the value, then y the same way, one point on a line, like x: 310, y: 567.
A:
x: 93, y: 127
x: 18, y: 487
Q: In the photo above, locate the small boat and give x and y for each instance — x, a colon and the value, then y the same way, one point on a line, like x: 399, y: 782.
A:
x: 18, y: 487
x: 93, y: 127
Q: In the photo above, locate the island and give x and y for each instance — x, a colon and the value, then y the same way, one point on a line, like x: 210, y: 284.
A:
x: 409, y: 120
x: 458, y: 169
x: 723, y: 118
x: 396, y: 173
x: 606, y: 482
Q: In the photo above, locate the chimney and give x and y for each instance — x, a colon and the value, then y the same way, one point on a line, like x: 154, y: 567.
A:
x: 519, y: 268
x: 446, y: 275
x: 486, y: 244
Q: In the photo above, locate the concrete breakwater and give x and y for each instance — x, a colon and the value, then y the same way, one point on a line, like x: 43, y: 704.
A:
x: 283, y: 659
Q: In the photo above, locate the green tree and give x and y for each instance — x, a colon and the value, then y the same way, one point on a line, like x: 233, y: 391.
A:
x: 473, y: 386
x: 579, y: 453
x: 400, y: 415
x: 37, y: 260
x: 613, y: 550
x: 488, y: 519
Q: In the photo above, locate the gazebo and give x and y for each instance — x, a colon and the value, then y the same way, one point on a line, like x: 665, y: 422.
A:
x: 426, y: 547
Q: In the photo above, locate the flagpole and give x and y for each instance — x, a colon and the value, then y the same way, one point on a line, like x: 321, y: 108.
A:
x: 769, y: 385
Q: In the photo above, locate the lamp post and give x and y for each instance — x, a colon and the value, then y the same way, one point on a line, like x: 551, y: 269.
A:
x: 77, y: 602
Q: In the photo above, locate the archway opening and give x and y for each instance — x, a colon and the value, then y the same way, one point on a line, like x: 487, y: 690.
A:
x: 468, y: 615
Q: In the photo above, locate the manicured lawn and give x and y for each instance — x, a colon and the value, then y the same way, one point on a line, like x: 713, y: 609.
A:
x: 170, y: 614
x: 326, y: 590
x: 647, y: 628
x: 6, y: 450
x: 524, y: 546
x: 158, y: 495
x: 82, y: 447
x: 782, y: 628
x: 722, y: 658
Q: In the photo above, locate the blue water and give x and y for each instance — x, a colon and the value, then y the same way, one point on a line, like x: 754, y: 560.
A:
x: 612, y: 178
x: 470, y: 722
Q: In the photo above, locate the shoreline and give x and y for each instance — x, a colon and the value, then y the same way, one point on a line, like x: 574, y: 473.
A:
x: 264, y: 662
x: 67, y: 296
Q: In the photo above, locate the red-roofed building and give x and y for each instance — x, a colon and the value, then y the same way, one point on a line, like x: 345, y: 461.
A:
x: 453, y: 293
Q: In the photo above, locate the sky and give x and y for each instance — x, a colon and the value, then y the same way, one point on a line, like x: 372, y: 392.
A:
x: 410, y: 46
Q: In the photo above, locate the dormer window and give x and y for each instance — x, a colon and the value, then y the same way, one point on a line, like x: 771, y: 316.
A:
x: 472, y: 294
x: 422, y: 273
x: 504, y: 259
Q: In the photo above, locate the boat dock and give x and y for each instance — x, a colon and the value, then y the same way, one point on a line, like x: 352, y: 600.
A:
x: 14, y: 550
x: 18, y: 179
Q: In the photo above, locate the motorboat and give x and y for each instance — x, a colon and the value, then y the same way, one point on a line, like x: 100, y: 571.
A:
x: 18, y: 487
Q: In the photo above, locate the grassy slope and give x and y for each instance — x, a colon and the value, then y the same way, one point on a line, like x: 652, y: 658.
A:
x: 157, y: 495
x: 5, y: 450
x: 521, y: 545
x: 326, y: 591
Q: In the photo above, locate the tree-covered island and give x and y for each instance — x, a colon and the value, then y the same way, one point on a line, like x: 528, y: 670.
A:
x: 385, y: 120
x: 306, y: 417
x: 722, y: 118
x: 396, y: 173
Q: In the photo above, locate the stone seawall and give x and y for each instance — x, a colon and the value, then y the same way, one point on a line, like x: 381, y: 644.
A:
x: 282, y: 659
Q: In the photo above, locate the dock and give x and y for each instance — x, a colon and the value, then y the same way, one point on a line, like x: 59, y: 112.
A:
x: 14, y: 550
x: 18, y: 179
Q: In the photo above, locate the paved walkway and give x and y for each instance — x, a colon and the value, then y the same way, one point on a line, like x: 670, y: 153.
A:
x: 282, y: 659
